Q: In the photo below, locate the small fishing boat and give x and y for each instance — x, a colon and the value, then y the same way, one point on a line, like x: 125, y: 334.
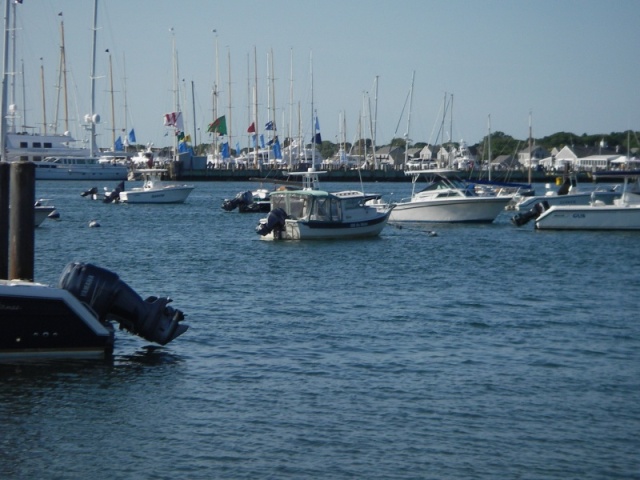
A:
x: 569, y: 193
x: 249, y: 201
x: 624, y: 214
x: 315, y: 214
x: 153, y: 190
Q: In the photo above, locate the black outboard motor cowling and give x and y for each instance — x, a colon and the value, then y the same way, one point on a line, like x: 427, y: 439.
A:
x: 241, y: 199
x: 525, y: 217
x: 275, y: 220
x: 114, y: 196
x: 112, y: 299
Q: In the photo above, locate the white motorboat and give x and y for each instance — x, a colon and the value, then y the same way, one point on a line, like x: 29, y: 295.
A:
x: 42, y: 211
x: 315, y: 214
x: 624, y: 214
x: 448, y: 199
x: 79, y: 168
x: 569, y: 193
x: 154, y: 190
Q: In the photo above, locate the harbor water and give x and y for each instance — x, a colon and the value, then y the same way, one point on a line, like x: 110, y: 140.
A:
x: 431, y: 352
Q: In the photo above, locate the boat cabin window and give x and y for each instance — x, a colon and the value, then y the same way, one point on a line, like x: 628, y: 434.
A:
x: 48, y: 145
x: 351, y: 203
x: 24, y: 145
x: 296, y: 206
x: 336, y: 211
x: 321, y: 209
x: 37, y: 145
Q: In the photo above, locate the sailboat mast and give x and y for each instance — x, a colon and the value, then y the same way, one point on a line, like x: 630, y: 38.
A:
x: 229, y: 123
x: 255, y: 96
x: 12, y: 101
x: 313, y: 125
x: 530, y: 148
x: 406, y: 135
x: 290, y: 127
x: 5, y: 66
x: 124, y: 95
x: 44, y: 103
x: 214, y: 95
x: 93, y: 117
x: 489, y: 140
x: 374, y: 127
x: 113, y: 109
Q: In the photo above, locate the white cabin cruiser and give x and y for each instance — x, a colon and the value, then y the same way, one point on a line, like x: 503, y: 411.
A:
x: 447, y: 199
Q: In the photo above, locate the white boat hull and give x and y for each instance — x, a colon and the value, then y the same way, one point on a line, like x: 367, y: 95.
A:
x: 583, y: 198
x: 317, y: 230
x: 454, y: 210
x: 100, y: 172
x: 41, y: 213
x: 605, y: 217
x: 165, y: 194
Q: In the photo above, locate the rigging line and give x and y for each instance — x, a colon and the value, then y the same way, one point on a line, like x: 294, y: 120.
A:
x: 402, y: 113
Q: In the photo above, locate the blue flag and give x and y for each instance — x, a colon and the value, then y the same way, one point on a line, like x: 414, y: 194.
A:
x: 132, y: 136
x: 237, y: 148
x: 277, y: 152
x: 262, y: 140
x: 118, y: 147
x: 225, y: 150
x: 269, y: 126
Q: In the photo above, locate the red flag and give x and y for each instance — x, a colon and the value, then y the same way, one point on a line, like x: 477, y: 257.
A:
x: 252, y: 128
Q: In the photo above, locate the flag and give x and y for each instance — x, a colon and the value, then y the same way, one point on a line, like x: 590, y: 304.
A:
x: 118, y: 147
x: 225, y: 150
x: 132, y: 136
x: 277, y: 151
x: 270, y: 125
x: 262, y: 140
x: 182, y: 147
x: 318, y: 138
x: 219, y: 125
x: 252, y: 128
x: 187, y: 138
x: 173, y: 120
x: 180, y: 135
x: 255, y: 140
x: 237, y: 148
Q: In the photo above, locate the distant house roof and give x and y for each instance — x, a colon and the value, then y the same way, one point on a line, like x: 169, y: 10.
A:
x: 507, y: 161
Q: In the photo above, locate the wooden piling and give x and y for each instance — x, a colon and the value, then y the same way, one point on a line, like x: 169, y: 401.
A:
x: 4, y: 220
x: 22, y: 221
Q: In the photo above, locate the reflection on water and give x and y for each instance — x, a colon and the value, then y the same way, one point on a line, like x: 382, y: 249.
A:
x: 485, y: 351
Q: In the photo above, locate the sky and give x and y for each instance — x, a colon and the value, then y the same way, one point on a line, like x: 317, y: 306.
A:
x: 361, y: 65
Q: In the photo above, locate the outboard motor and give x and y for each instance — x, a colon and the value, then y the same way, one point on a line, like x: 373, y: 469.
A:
x: 92, y: 192
x: 112, y: 299
x: 242, y: 198
x: 525, y: 217
x: 114, y: 196
x: 275, y: 220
